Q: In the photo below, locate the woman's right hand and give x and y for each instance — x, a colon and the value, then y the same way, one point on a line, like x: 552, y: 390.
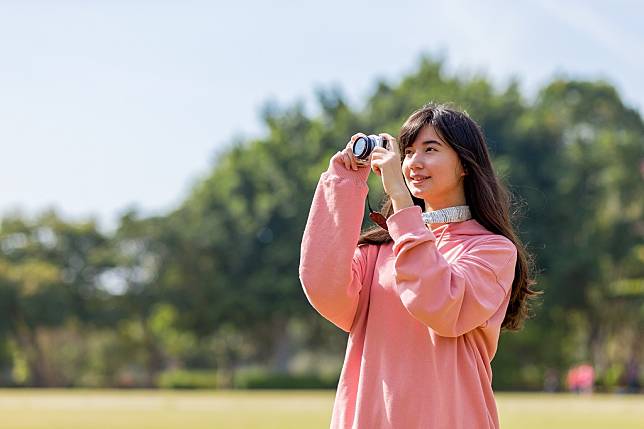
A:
x: 348, y: 158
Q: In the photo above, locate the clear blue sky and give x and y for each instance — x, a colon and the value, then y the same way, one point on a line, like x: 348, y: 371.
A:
x: 106, y: 105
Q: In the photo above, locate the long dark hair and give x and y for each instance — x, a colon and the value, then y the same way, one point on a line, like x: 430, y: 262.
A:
x: 488, y: 198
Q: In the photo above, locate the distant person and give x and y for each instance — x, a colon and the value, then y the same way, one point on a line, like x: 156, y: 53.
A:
x: 581, y: 379
x: 424, y: 294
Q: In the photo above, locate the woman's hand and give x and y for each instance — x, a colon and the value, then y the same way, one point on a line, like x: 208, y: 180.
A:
x: 386, y: 164
x: 348, y: 158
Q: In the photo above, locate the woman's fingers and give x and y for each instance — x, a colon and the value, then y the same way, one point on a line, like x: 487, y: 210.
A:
x: 373, y: 162
x: 355, y: 137
x: 392, y: 143
x: 353, y: 162
x: 346, y: 157
x: 349, y: 159
x: 350, y: 163
x: 357, y: 162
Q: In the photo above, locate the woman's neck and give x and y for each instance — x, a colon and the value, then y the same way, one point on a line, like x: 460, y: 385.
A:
x: 430, y: 207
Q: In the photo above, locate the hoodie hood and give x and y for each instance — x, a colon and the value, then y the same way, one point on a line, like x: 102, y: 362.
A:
x: 469, y: 227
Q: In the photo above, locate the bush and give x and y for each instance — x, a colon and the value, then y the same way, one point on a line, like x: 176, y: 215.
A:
x: 188, y: 379
x: 257, y: 378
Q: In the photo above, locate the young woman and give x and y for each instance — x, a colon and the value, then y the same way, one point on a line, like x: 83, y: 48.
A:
x: 425, y: 295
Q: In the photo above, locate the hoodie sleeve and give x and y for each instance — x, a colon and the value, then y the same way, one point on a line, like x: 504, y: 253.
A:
x: 451, y: 298
x: 332, y: 267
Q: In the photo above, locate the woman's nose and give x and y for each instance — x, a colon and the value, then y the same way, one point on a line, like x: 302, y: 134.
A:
x: 414, y: 160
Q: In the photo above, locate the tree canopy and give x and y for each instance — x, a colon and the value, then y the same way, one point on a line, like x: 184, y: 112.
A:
x: 214, y: 284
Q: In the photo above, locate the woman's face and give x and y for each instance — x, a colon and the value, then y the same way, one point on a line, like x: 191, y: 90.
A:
x: 433, y: 171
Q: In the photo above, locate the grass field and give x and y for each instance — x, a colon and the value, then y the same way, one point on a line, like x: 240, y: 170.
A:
x: 136, y: 409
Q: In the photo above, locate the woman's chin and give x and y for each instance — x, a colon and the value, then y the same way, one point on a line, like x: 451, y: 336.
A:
x: 418, y: 193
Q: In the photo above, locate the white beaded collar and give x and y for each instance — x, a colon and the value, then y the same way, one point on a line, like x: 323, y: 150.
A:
x: 448, y: 215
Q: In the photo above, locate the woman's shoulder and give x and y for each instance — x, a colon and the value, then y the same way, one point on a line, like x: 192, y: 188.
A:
x: 484, y: 235
x: 496, y: 241
x: 499, y: 240
x: 487, y: 244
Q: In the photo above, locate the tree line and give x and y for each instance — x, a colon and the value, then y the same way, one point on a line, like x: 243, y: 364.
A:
x: 213, y: 285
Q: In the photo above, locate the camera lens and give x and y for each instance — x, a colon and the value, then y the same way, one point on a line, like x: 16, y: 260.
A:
x: 363, y: 146
x: 360, y: 148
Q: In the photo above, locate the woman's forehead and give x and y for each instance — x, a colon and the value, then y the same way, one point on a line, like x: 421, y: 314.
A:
x: 427, y: 134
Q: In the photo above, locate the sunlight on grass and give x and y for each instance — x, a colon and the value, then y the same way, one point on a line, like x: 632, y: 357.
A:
x: 142, y: 409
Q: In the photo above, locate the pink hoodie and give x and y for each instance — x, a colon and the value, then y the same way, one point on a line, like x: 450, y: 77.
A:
x: 424, y: 328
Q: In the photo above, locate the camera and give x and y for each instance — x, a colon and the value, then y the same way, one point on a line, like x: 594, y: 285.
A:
x: 363, y: 146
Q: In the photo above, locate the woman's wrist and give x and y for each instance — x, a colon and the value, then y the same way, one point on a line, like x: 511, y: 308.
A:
x: 400, y: 202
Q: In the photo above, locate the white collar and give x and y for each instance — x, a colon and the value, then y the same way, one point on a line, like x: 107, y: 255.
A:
x: 448, y: 215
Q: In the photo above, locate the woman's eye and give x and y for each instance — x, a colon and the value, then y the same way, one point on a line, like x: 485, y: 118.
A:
x: 428, y: 149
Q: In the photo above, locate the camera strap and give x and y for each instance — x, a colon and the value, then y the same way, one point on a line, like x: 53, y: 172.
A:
x: 377, y: 217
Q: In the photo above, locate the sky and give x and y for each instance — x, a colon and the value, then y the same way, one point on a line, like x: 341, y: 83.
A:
x: 107, y: 106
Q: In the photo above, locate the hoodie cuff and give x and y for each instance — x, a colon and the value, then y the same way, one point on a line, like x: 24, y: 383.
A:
x: 407, y: 220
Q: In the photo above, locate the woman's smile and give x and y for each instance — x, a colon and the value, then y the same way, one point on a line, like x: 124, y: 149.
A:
x: 419, y: 180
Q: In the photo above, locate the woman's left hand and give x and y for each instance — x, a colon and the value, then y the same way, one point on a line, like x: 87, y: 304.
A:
x: 386, y: 164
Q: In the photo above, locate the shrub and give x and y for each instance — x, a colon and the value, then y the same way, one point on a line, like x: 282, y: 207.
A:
x: 258, y: 378
x: 188, y: 379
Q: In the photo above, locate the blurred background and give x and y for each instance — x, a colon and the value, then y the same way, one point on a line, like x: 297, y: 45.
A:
x: 159, y: 160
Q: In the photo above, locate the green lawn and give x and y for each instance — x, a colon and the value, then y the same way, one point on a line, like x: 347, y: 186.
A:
x: 95, y: 409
